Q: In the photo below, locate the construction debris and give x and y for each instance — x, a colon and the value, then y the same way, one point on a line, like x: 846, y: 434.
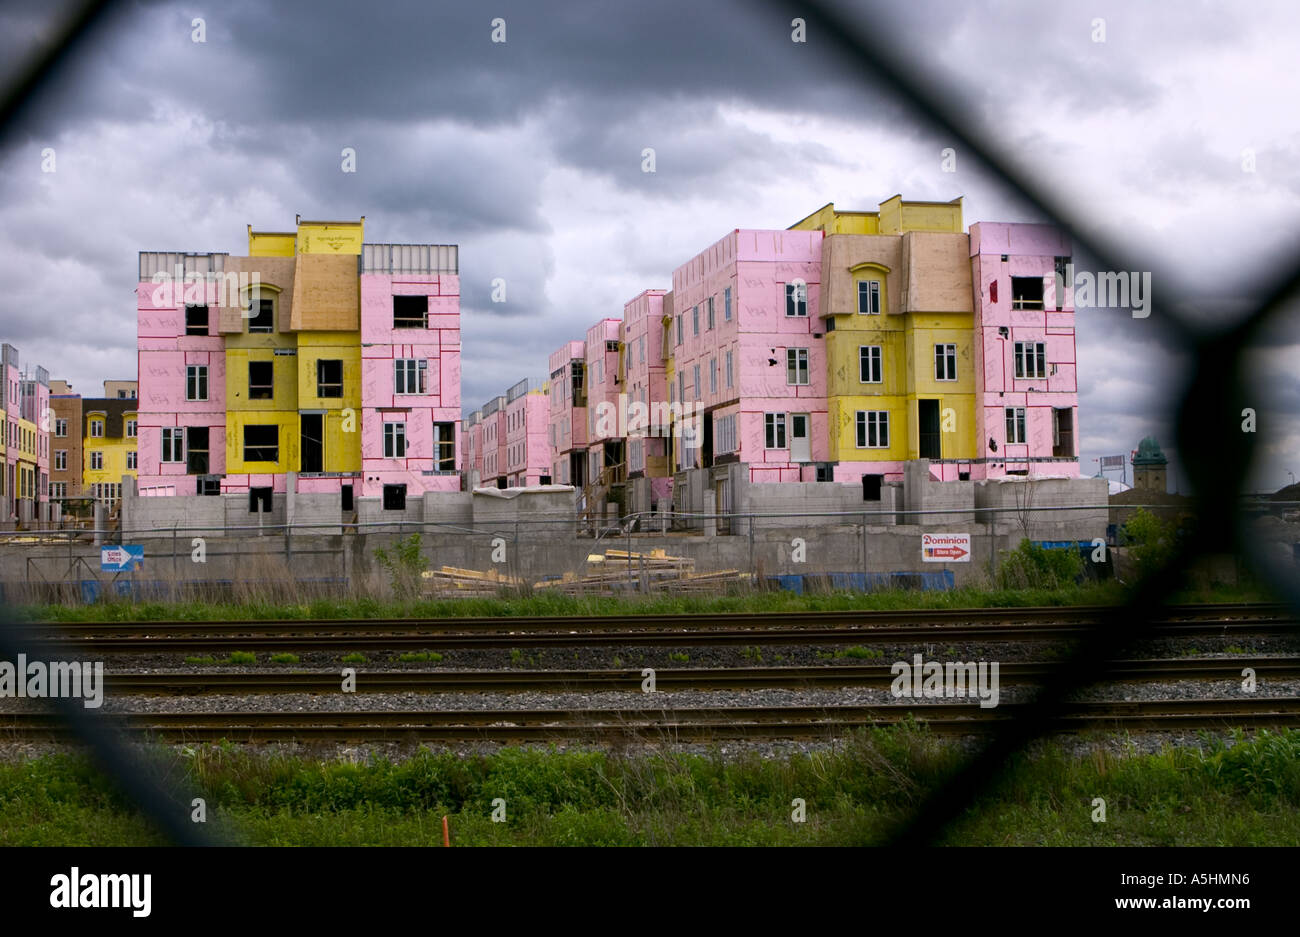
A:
x: 615, y: 571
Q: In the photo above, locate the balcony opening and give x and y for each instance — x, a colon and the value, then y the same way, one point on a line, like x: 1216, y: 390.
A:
x: 311, y: 445
x: 261, y: 382
x: 410, y: 312
x: 444, y: 447
x: 264, y: 319
x: 196, y: 323
x: 1062, y: 432
x: 262, y: 443
x: 931, y: 446
x: 1026, y: 292
x: 196, y: 450
x: 329, y: 378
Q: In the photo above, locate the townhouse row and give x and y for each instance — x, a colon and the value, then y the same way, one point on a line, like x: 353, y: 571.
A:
x: 317, y: 362
x: 24, y: 439
x: 834, y: 350
x: 92, y: 442
x: 506, y: 443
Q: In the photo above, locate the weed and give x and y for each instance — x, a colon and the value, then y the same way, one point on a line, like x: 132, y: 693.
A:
x: 860, y: 653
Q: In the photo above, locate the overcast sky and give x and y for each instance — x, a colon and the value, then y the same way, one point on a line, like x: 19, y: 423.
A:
x: 528, y: 154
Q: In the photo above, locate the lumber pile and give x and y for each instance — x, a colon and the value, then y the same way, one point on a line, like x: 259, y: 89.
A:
x: 624, y: 571
x: 452, y: 582
x: 614, y: 571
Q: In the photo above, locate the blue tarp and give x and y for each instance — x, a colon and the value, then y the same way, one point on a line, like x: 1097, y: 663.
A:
x: 936, y: 581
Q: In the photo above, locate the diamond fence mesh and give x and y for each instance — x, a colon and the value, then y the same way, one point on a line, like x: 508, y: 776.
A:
x: 1214, y: 394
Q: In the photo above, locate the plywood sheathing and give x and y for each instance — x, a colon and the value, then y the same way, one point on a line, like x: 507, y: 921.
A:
x: 327, y: 295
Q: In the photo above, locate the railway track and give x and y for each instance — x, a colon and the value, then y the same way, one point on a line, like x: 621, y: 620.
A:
x: 805, y: 628
x: 730, y: 678
x: 705, y: 724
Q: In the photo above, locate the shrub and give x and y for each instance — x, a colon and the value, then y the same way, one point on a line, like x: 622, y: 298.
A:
x: 1030, y: 566
x: 1150, y: 541
x: 403, y: 564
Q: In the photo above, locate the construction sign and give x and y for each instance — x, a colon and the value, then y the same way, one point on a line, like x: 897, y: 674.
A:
x: 945, y: 548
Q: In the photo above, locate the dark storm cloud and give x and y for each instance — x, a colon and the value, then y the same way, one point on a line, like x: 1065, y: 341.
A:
x: 528, y: 155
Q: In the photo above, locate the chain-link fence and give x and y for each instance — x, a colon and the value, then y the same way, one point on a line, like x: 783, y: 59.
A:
x: 1215, y: 393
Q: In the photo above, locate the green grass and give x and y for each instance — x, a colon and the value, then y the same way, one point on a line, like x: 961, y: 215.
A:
x: 284, y: 658
x: 680, y: 657
x: 423, y: 657
x: 860, y: 653
x: 356, y: 657
x: 241, y: 657
x: 774, y: 601
x: 1243, y: 793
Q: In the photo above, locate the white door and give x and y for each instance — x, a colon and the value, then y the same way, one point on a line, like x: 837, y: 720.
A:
x: 800, y: 447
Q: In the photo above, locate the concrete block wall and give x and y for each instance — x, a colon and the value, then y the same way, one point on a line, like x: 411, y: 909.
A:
x: 922, y: 493
x: 238, y: 514
x: 371, y: 511
x: 320, y: 512
x: 1017, y: 497
x: 153, y: 517
x: 792, y: 499
x: 543, y: 513
x: 449, y: 507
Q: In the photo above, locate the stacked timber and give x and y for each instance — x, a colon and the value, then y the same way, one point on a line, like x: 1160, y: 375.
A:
x: 452, y: 582
x: 614, y: 571
x: 628, y: 571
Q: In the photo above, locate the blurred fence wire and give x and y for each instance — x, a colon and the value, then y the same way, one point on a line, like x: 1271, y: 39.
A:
x: 1217, y: 454
x: 1213, y: 396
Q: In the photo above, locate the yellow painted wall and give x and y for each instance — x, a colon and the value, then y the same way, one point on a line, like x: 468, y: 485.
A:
x: 843, y: 413
x: 284, y: 378
x: 288, y: 453
x: 826, y: 219
x: 897, y: 216
x: 271, y: 243
x: 924, y: 331
x: 26, y: 448
x: 342, y: 449
x: 115, y: 451
x: 907, y: 372
x: 335, y: 237
x: 894, y: 217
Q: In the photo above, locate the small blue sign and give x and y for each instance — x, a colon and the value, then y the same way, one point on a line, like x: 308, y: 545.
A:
x: 120, y: 559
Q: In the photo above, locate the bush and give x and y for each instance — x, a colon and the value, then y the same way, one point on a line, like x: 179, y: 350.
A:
x: 1150, y: 541
x: 404, y: 565
x: 1030, y: 566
